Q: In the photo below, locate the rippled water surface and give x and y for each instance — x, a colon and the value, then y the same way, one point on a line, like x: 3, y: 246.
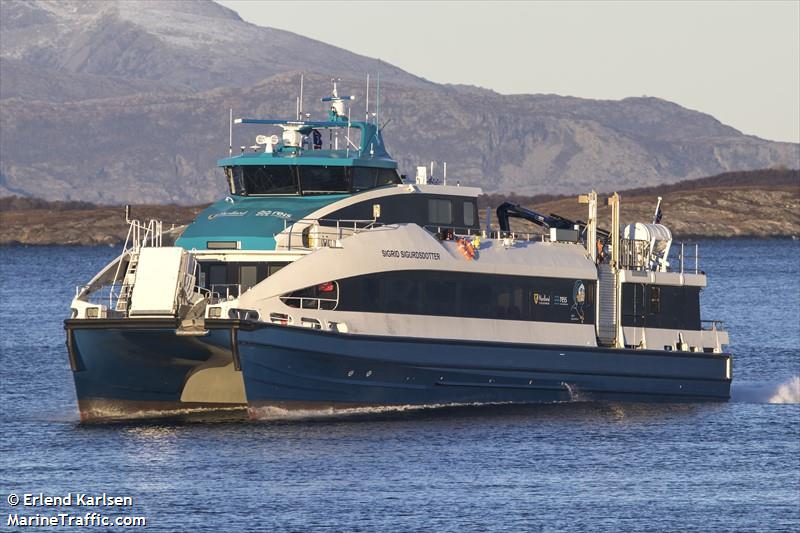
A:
x: 573, y: 466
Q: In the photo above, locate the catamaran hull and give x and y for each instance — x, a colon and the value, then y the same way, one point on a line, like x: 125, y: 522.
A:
x: 298, y: 368
x: 139, y: 368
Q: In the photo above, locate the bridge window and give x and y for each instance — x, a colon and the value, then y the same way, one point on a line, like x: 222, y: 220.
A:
x: 273, y: 179
x: 363, y: 178
x: 306, y: 179
x: 323, y: 179
x: 387, y: 176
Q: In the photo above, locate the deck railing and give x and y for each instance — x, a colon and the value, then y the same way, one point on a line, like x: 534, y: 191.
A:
x: 224, y: 291
x: 307, y: 302
x: 695, y: 258
x: 635, y: 255
x: 712, y: 325
x: 327, y: 231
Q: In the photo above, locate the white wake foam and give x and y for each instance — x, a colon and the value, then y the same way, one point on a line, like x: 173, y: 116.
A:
x: 787, y: 391
x: 278, y: 413
x: 111, y: 414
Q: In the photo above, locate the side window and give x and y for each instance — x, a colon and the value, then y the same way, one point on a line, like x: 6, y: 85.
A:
x: 440, y: 211
x: 469, y: 214
x: 476, y: 299
x: 441, y: 298
x: 248, y: 276
x: 231, y: 184
x: 509, y: 302
x: 370, y: 294
x: 274, y: 267
x: 655, y: 300
x: 402, y: 296
x: 217, y: 275
x: 322, y: 296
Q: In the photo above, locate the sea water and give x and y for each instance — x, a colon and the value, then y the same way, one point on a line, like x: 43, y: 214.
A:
x: 572, y: 466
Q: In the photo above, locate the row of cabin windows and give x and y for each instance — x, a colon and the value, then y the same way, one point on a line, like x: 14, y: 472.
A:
x: 440, y: 211
x: 661, y: 306
x: 460, y: 294
x: 426, y: 210
x: 226, y: 278
x: 306, y: 180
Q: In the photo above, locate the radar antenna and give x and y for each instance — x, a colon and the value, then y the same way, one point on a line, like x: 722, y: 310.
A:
x: 336, y: 111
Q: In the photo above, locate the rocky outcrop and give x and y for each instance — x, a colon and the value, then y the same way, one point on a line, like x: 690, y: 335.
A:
x: 757, y: 204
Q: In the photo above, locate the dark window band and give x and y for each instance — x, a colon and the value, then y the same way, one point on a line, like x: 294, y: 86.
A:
x: 306, y: 179
x: 467, y: 295
x: 660, y: 306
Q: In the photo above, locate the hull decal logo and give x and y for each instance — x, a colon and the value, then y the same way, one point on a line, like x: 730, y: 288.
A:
x: 227, y: 214
x: 577, y: 313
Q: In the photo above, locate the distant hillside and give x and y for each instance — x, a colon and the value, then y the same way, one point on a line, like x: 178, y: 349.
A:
x: 127, y: 101
x: 763, y: 204
x: 753, y: 204
x: 762, y: 179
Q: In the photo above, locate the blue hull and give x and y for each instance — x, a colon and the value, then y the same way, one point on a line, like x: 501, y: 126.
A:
x: 298, y: 368
x: 124, y: 368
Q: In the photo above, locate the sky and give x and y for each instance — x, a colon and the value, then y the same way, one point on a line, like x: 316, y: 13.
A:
x: 738, y: 61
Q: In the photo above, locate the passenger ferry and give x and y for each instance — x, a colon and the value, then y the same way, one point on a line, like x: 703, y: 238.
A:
x: 326, y: 281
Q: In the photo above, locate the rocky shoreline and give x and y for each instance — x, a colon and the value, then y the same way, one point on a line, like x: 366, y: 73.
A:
x: 94, y: 226
x: 766, y: 209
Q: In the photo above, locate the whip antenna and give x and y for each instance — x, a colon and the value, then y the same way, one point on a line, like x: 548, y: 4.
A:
x: 300, y: 111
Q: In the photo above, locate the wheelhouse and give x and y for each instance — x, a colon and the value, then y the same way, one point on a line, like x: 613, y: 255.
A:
x: 306, y: 180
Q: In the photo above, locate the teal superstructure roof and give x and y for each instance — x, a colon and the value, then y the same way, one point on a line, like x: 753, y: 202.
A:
x: 333, y: 158
x: 371, y: 151
x: 251, y: 221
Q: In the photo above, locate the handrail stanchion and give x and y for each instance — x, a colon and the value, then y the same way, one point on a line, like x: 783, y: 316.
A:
x: 696, y: 258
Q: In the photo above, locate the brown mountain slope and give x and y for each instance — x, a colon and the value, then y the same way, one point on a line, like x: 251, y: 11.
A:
x: 127, y: 101
x: 760, y: 204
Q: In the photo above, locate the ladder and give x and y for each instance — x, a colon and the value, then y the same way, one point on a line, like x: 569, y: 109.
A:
x: 606, y: 305
x: 127, y: 282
